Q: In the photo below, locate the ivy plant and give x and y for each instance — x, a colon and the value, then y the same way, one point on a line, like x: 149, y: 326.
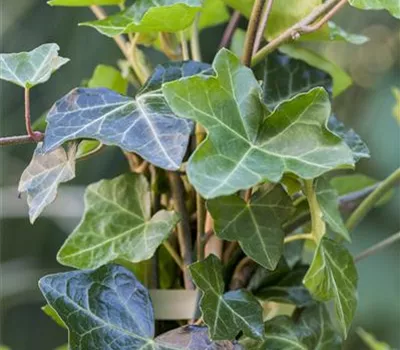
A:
x: 239, y: 169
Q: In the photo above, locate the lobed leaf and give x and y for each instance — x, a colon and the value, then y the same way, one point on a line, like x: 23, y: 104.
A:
x: 225, y: 314
x: 116, y: 225
x: 332, y: 275
x: 28, y: 69
x: 40, y: 180
x: 150, y: 16
x: 246, y: 144
x: 145, y: 125
x: 256, y: 225
x: 390, y: 5
x: 328, y: 201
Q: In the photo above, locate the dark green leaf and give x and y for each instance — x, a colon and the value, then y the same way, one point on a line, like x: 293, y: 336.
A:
x: 225, y: 314
x: 100, y: 307
x: 247, y: 145
x: 358, y: 147
x: 328, y: 201
x: 391, y: 5
x: 116, y: 224
x: 84, y: 2
x: 333, y: 275
x: 194, y: 338
x: 145, y: 125
x: 256, y: 225
x: 108, y: 77
x: 313, y: 331
x: 44, y: 173
x: 49, y: 311
x: 150, y: 16
x: 28, y: 69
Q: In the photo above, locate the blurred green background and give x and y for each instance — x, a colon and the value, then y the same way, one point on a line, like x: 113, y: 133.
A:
x: 28, y: 252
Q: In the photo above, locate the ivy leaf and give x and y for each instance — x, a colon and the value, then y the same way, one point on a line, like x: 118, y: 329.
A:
x: 194, y: 338
x: 144, y: 17
x: 247, y: 145
x: 332, y: 275
x: 116, y: 224
x: 145, y: 125
x: 337, y: 33
x: 390, y: 5
x: 328, y: 200
x: 214, y: 12
x: 225, y: 314
x: 288, y: 290
x: 313, y: 330
x: 108, y: 77
x: 84, y: 2
x: 341, y: 80
x: 357, y: 145
x: 44, y: 173
x: 102, y: 306
x: 31, y: 68
x: 256, y: 225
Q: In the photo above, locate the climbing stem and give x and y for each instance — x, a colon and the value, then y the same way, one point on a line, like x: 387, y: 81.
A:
x: 317, y: 223
x: 299, y: 236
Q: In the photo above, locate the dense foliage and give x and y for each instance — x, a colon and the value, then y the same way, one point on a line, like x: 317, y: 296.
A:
x: 238, y: 185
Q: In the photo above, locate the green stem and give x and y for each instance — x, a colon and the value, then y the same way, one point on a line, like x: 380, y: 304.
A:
x: 372, y: 199
x: 174, y: 255
x: 317, y: 223
x: 377, y: 247
x: 299, y: 236
x: 195, y: 41
x: 184, y: 46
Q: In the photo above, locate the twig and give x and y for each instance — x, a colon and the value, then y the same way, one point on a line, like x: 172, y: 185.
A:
x: 194, y: 41
x: 229, y: 251
x: 299, y: 236
x: 184, y: 234
x: 242, y: 274
x: 214, y: 245
x: 19, y: 140
x: 377, y: 247
x: 174, y: 255
x: 370, y: 201
x: 230, y: 29
x: 328, y: 8
x: 263, y: 25
x: 252, y: 31
x: 184, y: 46
x: 28, y: 123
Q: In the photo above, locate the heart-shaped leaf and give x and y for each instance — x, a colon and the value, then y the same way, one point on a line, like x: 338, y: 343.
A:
x: 225, y: 314
x: 313, y: 330
x: 256, y: 225
x: 390, y: 5
x: 28, y: 69
x: 145, y: 125
x: 150, y: 16
x: 116, y: 225
x: 247, y: 145
x: 100, y: 307
x: 328, y: 201
x: 44, y: 173
x: 84, y: 2
x: 332, y: 275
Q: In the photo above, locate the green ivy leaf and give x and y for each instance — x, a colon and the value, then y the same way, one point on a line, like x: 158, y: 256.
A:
x: 341, y: 80
x: 225, y: 314
x: 102, y: 306
x: 214, y: 12
x: 371, y: 342
x: 108, y: 77
x: 333, y: 275
x: 116, y: 225
x: 87, y: 147
x: 328, y: 201
x: 145, y: 125
x: 49, y: 311
x: 44, y: 173
x: 256, y: 225
x: 144, y: 16
x: 237, y: 42
x: 390, y: 5
x: 84, y: 2
x: 313, y: 330
x: 243, y: 146
x: 339, y: 34
x: 194, y: 338
x: 31, y: 68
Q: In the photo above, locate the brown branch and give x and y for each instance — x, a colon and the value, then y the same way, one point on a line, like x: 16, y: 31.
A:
x: 184, y: 234
x: 242, y: 274
x: 251, y: 32
x: 377, y: 247
x: 306, y: 25
x: 263, y: 25
x: 230, y: 29
x: 19, y: 140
